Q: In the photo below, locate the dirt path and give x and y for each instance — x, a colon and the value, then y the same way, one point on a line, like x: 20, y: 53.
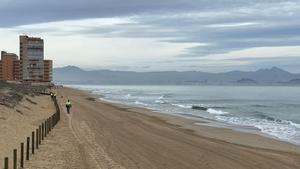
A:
x: 59, y: 150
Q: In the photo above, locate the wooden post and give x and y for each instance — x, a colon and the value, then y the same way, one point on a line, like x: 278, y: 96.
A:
x: 15, y: 159
x: 42, y: 131
x: 27, y: 148
x: 45, y: 128
x: 49, y: 124
x: 32, y: 142
x: 6, y: 163
x: 22, y: 156
x: 37, y: 138
x: 40, y: 134
x: 47, y: 121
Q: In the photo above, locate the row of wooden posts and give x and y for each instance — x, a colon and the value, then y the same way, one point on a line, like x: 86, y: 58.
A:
x: 33, y: 142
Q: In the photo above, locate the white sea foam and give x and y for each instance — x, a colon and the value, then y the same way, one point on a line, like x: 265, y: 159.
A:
x: 213, y: 111
x: 283, y: 129
x: 160, y: 101
x: 140, y: 103
x: 127, y: 96
x: 161, y: 97
x: 294, y: 124
x: 183, y: 106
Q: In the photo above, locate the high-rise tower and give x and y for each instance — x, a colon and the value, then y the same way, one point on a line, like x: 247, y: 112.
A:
x: 32, y: 58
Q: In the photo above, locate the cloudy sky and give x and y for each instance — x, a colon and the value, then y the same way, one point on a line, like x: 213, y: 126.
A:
x: 157, y: 35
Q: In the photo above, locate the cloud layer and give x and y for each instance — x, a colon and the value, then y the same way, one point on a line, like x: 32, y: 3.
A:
x: 246, y: 34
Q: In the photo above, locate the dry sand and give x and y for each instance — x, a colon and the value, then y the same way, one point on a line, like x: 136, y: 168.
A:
x: 16, y: 124
x: 100, y: 135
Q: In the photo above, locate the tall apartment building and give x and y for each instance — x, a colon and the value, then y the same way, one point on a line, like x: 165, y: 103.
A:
x: 32, y: 58
x: 31, y: 67
x: 9, y: 66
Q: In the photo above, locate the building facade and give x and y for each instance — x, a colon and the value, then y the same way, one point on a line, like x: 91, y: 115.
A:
x: 9, y: 67
x: 31, y: 67
x: 32, y: 58
x: 48, y: 64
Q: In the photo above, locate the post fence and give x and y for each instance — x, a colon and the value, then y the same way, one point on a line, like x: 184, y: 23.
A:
x: 15, y: 159
x: 22, y: 156
x: 32, y: 143
x: 27, y: 148
x: 6, y: 163
x: 37, y: 137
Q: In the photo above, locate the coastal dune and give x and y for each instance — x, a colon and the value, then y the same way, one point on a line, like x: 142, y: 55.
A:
x: 117, y: 136
x: 17, y: 123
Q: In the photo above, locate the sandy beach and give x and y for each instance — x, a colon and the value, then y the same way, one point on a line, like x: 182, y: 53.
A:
x: 103, y: 135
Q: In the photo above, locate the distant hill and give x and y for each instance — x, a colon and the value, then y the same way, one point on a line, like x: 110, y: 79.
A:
x: 75, y: 75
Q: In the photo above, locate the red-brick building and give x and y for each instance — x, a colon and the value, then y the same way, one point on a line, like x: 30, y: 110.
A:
x: 48, y: 70
x: 9, y: 67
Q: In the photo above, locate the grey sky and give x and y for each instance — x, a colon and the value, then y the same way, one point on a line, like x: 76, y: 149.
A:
x: 204, y: 35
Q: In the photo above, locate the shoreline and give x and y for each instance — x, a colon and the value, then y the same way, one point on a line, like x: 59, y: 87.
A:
x: 195, y: 120
x: 119, y: 136
x: 197, y: 123
x: 194, y: 125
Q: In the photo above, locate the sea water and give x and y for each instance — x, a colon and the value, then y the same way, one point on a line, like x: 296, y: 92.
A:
x: 273, y: 110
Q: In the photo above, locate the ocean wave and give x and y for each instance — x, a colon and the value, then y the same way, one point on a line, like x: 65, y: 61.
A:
x: 127, y: 96
x: 282, y: 129
x: 261, y: 115
x: 213, y: 111
x: 160, y: 101
x: 259, y: 105
x: 182, y: 106
x: 166, y: 95
x: 199, y: 108
x: 218, y: 107
x: 161, y: 97
x: 294, y: 124
x: 140, y: 103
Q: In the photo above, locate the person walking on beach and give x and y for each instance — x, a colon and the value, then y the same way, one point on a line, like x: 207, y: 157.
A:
x: 68, y: 106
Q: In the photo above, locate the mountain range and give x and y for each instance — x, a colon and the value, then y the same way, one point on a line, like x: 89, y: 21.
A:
x: 272, y: 76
